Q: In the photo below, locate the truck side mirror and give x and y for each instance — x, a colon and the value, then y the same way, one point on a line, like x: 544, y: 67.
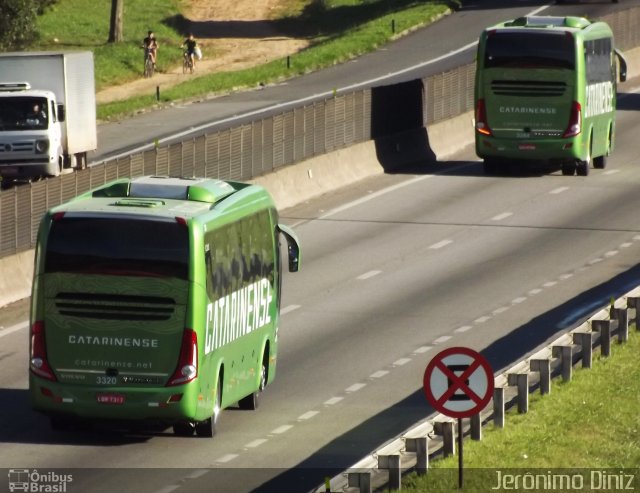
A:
x: 61, y: 113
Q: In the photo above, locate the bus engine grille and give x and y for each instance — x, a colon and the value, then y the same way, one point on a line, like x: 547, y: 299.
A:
x: 528, y: 88
x: 115, y: 306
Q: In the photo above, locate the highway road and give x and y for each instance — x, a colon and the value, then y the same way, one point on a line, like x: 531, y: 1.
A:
x: 396, y: 268
x: 442, y: 46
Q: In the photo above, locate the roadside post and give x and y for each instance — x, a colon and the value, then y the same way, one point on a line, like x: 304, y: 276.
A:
x: 458, y: 382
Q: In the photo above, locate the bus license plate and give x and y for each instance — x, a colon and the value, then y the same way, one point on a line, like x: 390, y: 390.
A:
x: 116, y: 399
x: 527, y: 147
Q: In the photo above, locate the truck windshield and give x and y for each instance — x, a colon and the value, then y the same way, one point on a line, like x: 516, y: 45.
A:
x: 118, y: 246
x: 23, y: 113
x: 530, y: 50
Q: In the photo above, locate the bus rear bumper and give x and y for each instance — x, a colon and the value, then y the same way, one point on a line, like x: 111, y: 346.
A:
x: 161, y: 404
x: 558, y: 150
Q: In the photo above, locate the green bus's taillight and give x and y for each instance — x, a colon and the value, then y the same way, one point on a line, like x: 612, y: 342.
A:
x: 38, y: 363
x: 575, y: 121
x: 482, y: 126
x: 187, y: 369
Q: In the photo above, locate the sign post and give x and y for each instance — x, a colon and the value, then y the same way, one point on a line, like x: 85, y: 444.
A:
x: 458, y: 382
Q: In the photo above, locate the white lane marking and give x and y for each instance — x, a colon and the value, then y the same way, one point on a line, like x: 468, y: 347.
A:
x: 256, y: 443
x: 550, y: 284
x: 636, y: 238
x: 481, y: 320
x: 379, y: 374
x: 519, y: 300
x: 611, y: 172
x: 168, y: 489
x: 558, y: 190
x: 564, y: 277
x: 441, y: 339
x: 355, y: 387
x: 626, y: 245
x: 374, y: 195
x: 535, y: 291
x: 281, y: 429
x: 289, y: 309
x: 332, y: 401
x: 440, y: 244
x: 197, y: 474
x: 500, y: 310
x: 502, y: 216
x: 13, y: 328
x: 595, y: 261
x: 369, y: 274
x: 401, y: 361
x: 611, y: 253
x: 308, y: 415
x: 462, y: 329
x: 423, y: 349
x: 227, y: 458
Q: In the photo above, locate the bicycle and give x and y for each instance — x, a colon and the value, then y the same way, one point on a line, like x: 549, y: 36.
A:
x: 148, y: 64
x: 187, y: 63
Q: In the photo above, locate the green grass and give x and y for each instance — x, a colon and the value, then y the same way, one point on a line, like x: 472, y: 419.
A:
x: 591, y: 422
x: 337, y: 30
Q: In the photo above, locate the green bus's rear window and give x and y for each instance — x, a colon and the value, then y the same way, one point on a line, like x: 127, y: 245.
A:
x: 529, y: 50
x: 118, y: 246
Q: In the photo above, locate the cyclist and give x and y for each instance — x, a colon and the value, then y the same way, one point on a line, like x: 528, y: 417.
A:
x: 190, y: 44
x: 150, y: 45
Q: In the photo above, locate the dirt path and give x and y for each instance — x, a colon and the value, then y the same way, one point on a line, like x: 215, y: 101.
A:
x: 233, y: 34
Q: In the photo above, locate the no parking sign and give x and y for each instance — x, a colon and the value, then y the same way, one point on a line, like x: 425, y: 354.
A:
x: 458, y: 382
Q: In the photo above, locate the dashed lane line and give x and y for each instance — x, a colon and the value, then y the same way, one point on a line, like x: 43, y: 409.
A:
x: 440, y: 244
x: 502, y: 216
x: 368, y: 275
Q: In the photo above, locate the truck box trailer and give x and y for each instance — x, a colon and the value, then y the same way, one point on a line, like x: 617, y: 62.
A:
x: 47, y: 112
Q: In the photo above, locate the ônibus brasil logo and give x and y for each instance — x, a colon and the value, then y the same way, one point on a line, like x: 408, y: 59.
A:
x: 36, y: 482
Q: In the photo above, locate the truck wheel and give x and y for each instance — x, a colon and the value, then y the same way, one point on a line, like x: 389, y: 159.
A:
x: 81, y: 161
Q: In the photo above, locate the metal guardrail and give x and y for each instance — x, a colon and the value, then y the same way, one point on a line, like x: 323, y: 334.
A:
x: 436, y: 435
x: 260, y: 147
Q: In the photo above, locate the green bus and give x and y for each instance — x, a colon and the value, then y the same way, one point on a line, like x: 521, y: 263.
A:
x: 156, y: 299
x: 545, y: 90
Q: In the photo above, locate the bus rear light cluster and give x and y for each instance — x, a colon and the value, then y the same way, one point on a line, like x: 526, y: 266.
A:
x: 187, y: 369
x: 575, y: 121
x: 482, y: 126
x: 38, y: 364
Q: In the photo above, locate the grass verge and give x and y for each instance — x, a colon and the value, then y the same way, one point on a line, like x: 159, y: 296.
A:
x: 338, y: 30
x: 589, y: 428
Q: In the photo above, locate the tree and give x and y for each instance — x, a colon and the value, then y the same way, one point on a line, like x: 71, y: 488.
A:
x: 116, y: 30
x: 18, y: 23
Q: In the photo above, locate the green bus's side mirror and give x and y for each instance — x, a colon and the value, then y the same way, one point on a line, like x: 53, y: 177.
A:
x: 622, y: 63
x: 293, y: 247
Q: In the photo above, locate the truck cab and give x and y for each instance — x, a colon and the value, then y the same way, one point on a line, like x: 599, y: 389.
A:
x: 30, y: 132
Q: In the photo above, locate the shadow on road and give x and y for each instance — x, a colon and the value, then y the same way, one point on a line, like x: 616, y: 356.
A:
x: 362, y: 440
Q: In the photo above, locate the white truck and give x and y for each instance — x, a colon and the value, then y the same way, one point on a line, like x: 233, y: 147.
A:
x: 47, y: 113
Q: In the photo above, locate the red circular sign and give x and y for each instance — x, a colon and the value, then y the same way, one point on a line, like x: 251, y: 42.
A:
x: 458, y: 382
